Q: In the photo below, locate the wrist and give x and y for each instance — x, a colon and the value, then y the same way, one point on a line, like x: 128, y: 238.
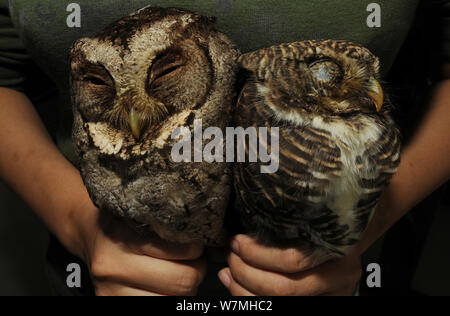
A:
x: 81, y: 217
x: 69, y: 211
x: 73, y: 213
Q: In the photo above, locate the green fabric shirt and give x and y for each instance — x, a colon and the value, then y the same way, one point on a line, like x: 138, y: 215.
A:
x: 251, y: 24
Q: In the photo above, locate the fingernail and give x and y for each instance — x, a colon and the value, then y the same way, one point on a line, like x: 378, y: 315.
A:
x: 224, y: 278
x: 235, y: 246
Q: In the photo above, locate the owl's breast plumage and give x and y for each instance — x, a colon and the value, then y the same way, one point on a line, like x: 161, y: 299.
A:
x: 182, y: 202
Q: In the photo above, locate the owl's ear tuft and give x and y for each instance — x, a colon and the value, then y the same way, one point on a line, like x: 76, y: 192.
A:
x: 81, y: 42
x: 77, y: 47
x: 77, y: 54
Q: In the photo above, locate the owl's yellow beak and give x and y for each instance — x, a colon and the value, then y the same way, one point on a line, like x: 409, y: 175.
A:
x: 376, y: 93
x: 135, y: 123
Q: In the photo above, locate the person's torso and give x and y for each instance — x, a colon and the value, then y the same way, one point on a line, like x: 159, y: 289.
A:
x: 250, y: 24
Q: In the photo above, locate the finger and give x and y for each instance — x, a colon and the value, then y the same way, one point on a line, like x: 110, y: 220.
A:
x: 262, y: 282
x: 166, y: 277
x: 235, y: 288
x: 288, y: 259
x: 150, y: 244
x: 162, y: 249
x: 151, y: 274
x: 114, y: 289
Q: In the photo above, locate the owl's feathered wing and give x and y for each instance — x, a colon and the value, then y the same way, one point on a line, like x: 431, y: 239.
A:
x: 330, y: 178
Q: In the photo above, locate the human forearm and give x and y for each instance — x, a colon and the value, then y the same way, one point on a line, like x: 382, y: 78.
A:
x: 424, y: 167
x: 34, y: 168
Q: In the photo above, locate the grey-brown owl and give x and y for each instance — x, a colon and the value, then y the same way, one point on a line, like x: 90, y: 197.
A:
x: 338, y: 146
x: 133, y: 85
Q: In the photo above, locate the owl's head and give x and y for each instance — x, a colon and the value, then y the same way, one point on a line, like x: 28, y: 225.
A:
x: 143, y: 69
x: 328, y: 77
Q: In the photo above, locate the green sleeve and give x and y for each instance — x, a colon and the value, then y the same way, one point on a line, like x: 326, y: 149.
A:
x: 13, y: 55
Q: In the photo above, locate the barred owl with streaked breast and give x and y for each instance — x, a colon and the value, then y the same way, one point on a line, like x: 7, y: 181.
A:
x: 338, y: 145
x: 133, y: 85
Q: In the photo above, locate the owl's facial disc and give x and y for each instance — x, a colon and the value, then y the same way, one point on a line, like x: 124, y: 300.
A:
x: 137, y: 91
x: 145, y: 108
x: 163, y: 70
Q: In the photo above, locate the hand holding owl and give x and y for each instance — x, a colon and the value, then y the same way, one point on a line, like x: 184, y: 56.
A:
x: 124, y: 263
x: 253, y: 271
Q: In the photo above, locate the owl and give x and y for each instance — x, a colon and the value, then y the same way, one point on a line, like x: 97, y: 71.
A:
x: 134, y: 85
x: 338, y: 146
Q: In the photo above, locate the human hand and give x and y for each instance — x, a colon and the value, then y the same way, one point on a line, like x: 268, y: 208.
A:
x: 122, y: 263
x: 256, y: 269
